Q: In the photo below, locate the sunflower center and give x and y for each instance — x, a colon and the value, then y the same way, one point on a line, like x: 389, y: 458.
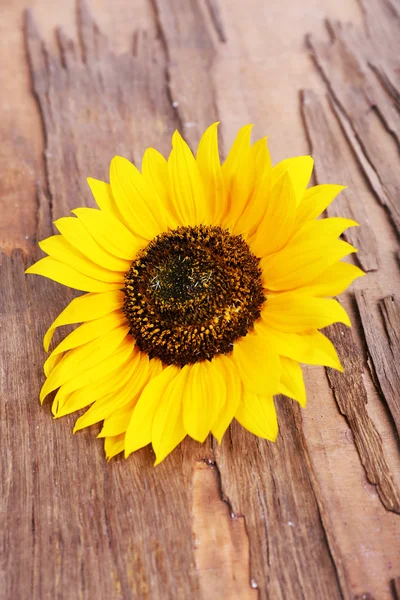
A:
x: 191, y: 293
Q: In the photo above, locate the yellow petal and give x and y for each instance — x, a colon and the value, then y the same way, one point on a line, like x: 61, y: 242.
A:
x: 78, y: 236
x: 58, y: 248
x: 155, y: 171
x: 293, y: 312
x: 204, y: 397
x: 315, y: 200
x: 141, y: 208
x: 258, y: 364
x: 278, y: 221
x: 239, y: 173
x: 67, y: 395
x: 78, y: 360
x: 211, y: 172
x: 262, y: 157
x: 52, y: 269
x: 110, y: 233
x: 115, y: 385
x: 186, y: 184
x: 292, y: 382
x: 256, y: 207
x: 113, y: 391
x: 300, y: 168
x: 103, y: 195
x: 168, y: 430
x: 114, y: 445
x: 257, y: 414
x: 85, y: 308
x: 101, y: 409
x: 324, y: 228
x: 233, y: 395
x: 309, y: 252
x: 88, y: 332
x: 334, y: 280
x: 310, y: 347
x: 138, y: 433
x: 118, y: 421
x: 240, y: 148
x: 51, y: 362
x: 70, y: 404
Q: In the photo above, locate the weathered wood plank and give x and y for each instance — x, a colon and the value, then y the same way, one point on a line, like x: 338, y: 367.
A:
x: 395, y: 585
x: 384, y: 350
x: 120, y: 521
x: 191, y: 53
x: 76, y: 93
x: 87, y: 107
x: 272, y: 486
x: 78, y: 527
x: 130, y: 534
x: 344, y: 64
x: 383, y: 23
x: 331, y: 167
x: 351, y: 397
x: 215, y: 527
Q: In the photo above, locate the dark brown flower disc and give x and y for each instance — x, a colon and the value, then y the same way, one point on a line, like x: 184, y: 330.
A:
x: 191, y: 293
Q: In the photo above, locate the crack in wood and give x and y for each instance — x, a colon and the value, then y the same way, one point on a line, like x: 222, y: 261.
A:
x: 85, y: 104
x: 344, y: 64
x: 123, y: 529
x: 383, y: 24
x: 351, y: 397
x: 220, y: 538
x: 191, y: 54
x: 331, y: 167
x: 384, y: 350
x: 216, y: 17
x: 271, y: 485
x: 395, y: 588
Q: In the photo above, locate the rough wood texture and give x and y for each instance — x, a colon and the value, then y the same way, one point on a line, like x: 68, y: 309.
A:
x: 384, y: 350
x: 85, y: 98
x: 290, y: 554
x: 351, y: 396
x: 395, y: 583
x: 215, y: 526
x: 383, y: 23
x: 331, y: 167
x: 191, y: 53
x: 354, y: 86
x: 248, y: 519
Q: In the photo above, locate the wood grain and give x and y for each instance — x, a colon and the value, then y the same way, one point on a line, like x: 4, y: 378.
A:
x: 91, y: 90
x: 344, y: 64
x: 215, y: 526
x: 272, y: 486
x: 191, y: 52
x: 331, y: 164
x: 395, y: 584
x: 348, y: 388
x: 384, y: 350
x: 351, y: 396
x: 383, y: 23
x: 73, y: 525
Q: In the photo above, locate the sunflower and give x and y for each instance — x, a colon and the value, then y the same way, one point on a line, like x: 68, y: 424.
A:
x: 207, y: 285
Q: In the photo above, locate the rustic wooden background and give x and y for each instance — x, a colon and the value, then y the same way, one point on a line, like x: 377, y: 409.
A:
x: 314, y: 516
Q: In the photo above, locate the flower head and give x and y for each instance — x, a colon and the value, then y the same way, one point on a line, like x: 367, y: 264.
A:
x: 206, y: 285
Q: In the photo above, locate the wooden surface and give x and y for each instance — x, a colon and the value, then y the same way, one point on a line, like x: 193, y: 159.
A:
x: 313, y: 516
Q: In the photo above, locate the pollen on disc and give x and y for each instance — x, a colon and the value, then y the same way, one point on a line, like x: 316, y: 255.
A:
x: 191, y: 293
